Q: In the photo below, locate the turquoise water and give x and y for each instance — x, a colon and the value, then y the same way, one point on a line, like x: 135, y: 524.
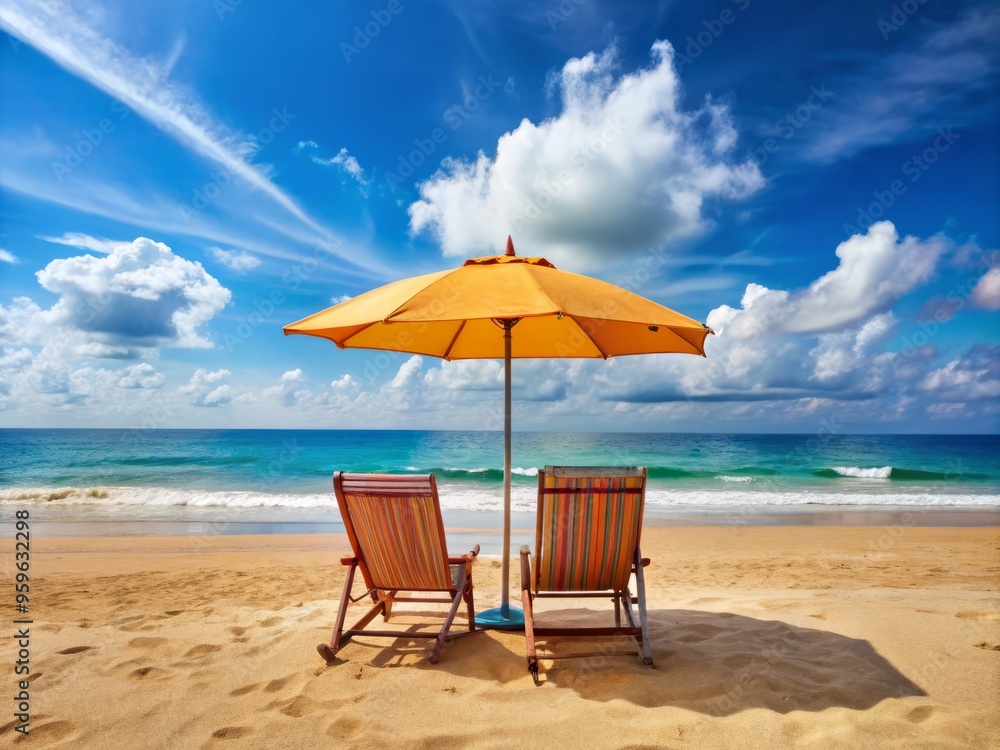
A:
x: 285, y: 474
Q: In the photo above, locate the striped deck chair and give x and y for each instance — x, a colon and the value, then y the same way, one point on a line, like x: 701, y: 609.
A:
x: 394, y: 525
x: 587, y: 545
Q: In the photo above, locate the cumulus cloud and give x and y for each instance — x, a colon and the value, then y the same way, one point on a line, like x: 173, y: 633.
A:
x: 622, y: 167
x: 142, y: 375
x: 139, y: 295
x: 203, y: 390
x: 289, y: 389
x: 986, y: 292
x: 876, y: 269
x: 235, y: 260
x: 972, y: 377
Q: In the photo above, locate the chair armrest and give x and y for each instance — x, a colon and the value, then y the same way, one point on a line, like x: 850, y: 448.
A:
x: 645, y: 561
x: 525, y: 569
x: 466, y: 558
x: 348, y: 560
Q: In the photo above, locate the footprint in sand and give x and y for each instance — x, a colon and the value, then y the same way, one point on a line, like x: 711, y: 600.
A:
x: 244, y: 690
x: 275, y: 685
x: 919, y: 714
x: 203, y: 649
x: 299, y: 706
x: 344, y: 727
x: 270, y: 622
x: 75, y: 650
x: 988, y: 646
x: 148, y: 673
x: 146, y: 642
x: 979, y: 616
x: 232, y: 733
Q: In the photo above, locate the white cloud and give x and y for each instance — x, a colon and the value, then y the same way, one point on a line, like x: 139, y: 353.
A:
x: 86, y: 242
x: 912, y: 91
x: 7, y: 257
x: 621, y: 168
x: 972, y: 377
x: 203, y: 391
x: 876, y: 269
x: 340, y: 298
x: 142, y: 375
x: 140, y: 294
x: 986, y: 293
x: 289, y: 390
x: 342, y: 159
x: 235, y: 260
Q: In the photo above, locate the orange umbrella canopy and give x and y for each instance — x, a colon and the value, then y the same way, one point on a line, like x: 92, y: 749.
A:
x: 450, y: 314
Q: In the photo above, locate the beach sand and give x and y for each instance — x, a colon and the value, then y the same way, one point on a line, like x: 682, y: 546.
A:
x: 770, y: 637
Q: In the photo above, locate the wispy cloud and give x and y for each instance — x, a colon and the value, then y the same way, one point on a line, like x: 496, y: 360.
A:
x: 7, y: 257
x: 913, y: 91
x: 235, y: 260
x: 143, y: 84
x: 86, y: 242
x: 342, y: 159
x: 55, y: 30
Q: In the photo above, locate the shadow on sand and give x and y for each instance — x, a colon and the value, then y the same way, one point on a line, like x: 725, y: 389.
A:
x: 719, y: 663
x: 715, y: 663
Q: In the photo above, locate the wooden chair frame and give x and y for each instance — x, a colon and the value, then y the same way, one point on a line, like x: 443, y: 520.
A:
x: 636, y: 628
x: 460, y: 589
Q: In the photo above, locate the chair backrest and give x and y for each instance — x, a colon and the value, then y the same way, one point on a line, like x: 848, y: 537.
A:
x: 395, y: 528
x: 589, y: 522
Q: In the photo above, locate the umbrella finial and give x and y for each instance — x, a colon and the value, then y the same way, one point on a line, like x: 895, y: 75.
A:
x: 510, y: 247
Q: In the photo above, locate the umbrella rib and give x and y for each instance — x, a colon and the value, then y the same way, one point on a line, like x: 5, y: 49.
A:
x: 589, y: 337
x: 365, y: 327
x: 447, y: 352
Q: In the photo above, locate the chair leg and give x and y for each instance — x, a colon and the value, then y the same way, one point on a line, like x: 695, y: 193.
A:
x: 329, y: 651
x: 640, y: 590
x: 443, y: 635
x: 618, y: 610
x: 470, y: 604
x: 529, y: 616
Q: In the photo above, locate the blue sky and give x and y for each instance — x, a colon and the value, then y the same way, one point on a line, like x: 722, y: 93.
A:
x: 818, y: 183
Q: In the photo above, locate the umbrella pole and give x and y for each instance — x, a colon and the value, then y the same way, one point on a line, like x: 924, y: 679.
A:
x: 505, y: 581
x: 503, y: 617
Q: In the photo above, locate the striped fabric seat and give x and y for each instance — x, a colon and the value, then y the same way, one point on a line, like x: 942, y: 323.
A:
x: 587, y: 545
x: 590, y: 525
x: 399, y: 541
x: 395, y: 529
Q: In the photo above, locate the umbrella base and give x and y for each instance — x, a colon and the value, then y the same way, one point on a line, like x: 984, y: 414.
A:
x: 501, y: 618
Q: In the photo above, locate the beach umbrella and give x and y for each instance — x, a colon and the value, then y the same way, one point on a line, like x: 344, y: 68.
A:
x: 505, y: 307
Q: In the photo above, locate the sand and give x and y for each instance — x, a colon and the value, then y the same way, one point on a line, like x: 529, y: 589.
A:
x: 770, y: 637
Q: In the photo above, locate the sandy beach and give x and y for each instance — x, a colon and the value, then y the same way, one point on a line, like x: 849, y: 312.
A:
x: 778, y: 637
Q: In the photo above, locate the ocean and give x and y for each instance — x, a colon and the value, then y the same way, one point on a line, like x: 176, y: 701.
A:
x: 284, y: 476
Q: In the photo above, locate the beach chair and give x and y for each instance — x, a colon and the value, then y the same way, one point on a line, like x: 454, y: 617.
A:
x: 394, y: 525
x: 587, y: 545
